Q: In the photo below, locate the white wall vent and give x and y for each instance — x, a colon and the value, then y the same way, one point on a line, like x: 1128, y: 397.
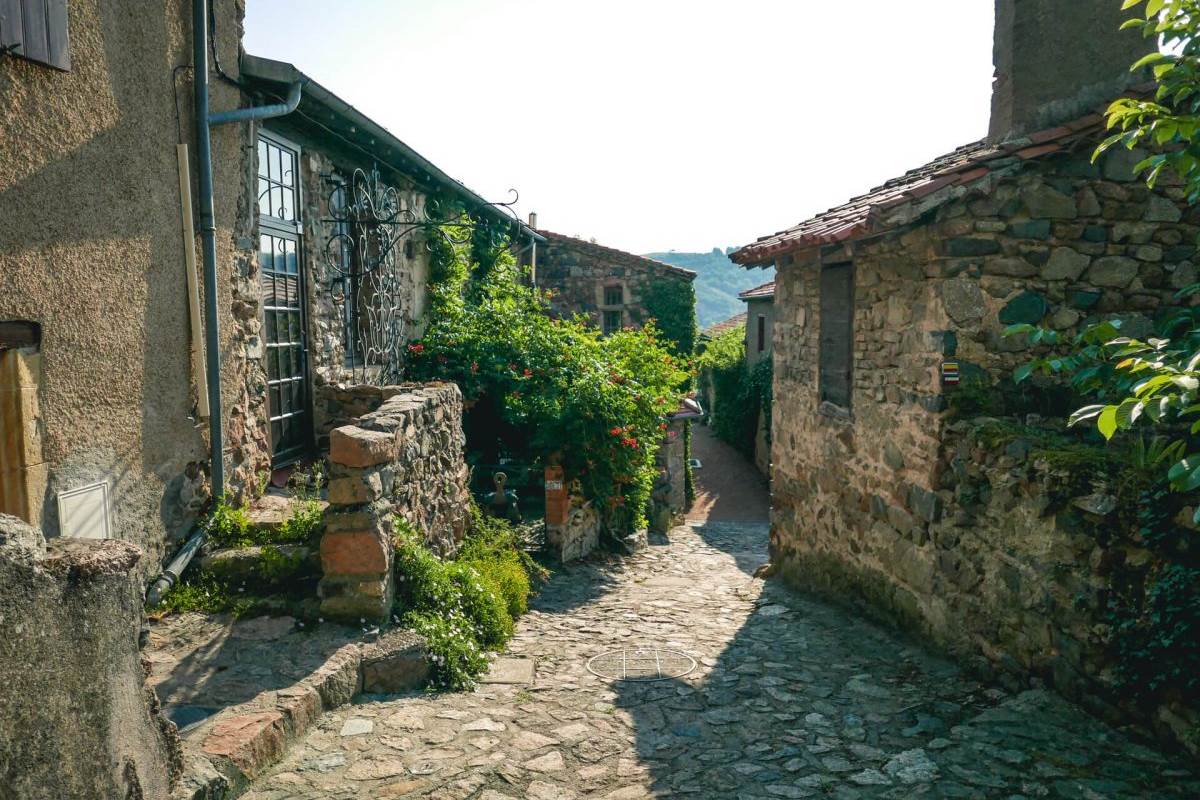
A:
x: 83, y: 512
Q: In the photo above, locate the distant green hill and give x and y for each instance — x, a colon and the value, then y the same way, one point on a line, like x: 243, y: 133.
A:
x: 718, y: 282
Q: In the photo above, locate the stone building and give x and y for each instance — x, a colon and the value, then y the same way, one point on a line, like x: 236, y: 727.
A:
x: 323, y: 223
x: 344, y: 249
x: 612, y: 288
x: 879, y: 493
x: 760, y: 314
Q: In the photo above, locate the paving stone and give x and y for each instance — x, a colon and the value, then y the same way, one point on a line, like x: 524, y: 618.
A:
x: 810, y: 702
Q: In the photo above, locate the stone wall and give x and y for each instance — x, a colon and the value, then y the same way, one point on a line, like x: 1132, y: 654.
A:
x: 577, y: 273
x: 858, y: 493
x: 77, y: 719
x: 578, y: 534
x: 403, y: 459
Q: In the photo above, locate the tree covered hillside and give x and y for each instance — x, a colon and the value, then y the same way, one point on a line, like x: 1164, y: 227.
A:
x: 718, y: 282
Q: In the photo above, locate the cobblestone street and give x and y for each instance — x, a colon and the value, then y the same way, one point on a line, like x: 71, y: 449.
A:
x: 790, y: 698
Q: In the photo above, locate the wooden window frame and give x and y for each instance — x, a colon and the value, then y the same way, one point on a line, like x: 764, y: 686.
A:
x: 762, y: 333
x: 605, y: 328
x: 613, y: 288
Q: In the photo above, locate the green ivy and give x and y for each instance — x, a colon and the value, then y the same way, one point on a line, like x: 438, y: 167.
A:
x: 552, y: 388
x: 672, y: 306
x: 740, y: 395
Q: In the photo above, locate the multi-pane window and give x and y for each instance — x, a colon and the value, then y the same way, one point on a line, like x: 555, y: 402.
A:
x: 614, y: 295
x: 276, y: 181
x: 611, y: 322
x: 836, y: 360
x: 282, y: 274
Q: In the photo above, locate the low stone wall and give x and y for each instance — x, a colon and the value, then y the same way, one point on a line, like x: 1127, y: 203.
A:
x: 76, y: 718
x: 403, y: 459
x: 1013, y: 564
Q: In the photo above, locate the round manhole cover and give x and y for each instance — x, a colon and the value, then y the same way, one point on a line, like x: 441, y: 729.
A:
x: 641, y: 664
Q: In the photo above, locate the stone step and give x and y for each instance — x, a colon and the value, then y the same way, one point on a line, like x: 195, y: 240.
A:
x: 224, y: 753
x: 272, y: 510
x: 245, y: 564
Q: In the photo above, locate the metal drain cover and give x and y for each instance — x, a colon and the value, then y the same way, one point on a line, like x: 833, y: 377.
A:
x: 641, y: 664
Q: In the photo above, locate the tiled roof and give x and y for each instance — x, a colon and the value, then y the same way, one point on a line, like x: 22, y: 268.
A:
x: 714, y: 331
x: 600, y: 251
x: 939, y: 181
x: 759, y: 292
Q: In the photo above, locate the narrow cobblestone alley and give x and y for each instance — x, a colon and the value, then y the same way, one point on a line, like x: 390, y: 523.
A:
x: 790, y: 698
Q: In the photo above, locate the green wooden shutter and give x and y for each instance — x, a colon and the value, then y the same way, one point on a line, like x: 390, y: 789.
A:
x: 36, y: 30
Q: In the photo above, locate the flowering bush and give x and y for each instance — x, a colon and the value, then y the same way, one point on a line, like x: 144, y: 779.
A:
x: 463, y: 607
x: 550, y: 387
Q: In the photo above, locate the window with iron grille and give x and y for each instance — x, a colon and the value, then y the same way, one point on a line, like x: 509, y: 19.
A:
x: 836, y: 360
x: 614, y: 295
x: 350, y: 282
x: 611, y: 322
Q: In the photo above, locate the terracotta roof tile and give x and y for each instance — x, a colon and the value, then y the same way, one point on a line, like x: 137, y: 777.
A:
x: 600, y: 251
x: 758, y: 292
x: 965, y: 165
x: 713, y: 331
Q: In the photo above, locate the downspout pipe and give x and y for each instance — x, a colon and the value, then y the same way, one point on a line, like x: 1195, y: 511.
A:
x: 208, y: 247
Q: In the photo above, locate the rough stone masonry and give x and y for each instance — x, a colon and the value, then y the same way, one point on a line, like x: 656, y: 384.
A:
x: 405, y: 459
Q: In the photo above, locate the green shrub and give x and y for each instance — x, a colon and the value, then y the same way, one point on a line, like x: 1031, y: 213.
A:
x: 229, y: 526
x: 457, y: 659
x: 203, y: 593
x: 467, y: 605
x: 535, y: 384
x: 740, y: 395
x: 302, y: 526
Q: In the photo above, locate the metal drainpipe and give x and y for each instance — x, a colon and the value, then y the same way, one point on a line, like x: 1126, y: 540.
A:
x: 208, y: 247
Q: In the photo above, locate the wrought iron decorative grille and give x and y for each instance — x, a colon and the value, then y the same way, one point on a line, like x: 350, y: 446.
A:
x: 372, y: 229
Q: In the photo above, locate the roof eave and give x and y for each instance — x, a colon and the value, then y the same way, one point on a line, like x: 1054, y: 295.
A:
x: 259, y: 70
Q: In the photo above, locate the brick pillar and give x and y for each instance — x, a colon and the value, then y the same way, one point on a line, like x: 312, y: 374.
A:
x: 356, y: 549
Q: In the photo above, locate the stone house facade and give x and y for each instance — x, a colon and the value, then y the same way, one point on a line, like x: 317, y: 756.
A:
x: 889, y: 308
x: 760, y: 316
x: 608, y: 286
x: 358, y: 212
x: 103, y: 373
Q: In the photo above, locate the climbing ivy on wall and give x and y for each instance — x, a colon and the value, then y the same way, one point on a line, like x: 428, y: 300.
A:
x: 672, y: 305
x: 739, y: 394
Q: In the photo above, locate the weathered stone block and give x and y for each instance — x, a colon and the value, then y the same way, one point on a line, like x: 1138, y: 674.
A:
x: 1027, y: 307
x: 1065, y: 264
x: 1011, y: 266
x: 963, y: 300
x: 1031, y: 229
x: 398, y: 662
x: 1161, y: 209
x: 251, y: 741
x: 971, y: 246
x: 1044, y: 201
x: 355, y: 489
x: 352, y: 446
x: 1115, y: 272
x: 355, y: 553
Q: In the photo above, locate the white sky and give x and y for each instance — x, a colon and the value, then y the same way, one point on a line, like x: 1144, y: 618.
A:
x: 659, y: 124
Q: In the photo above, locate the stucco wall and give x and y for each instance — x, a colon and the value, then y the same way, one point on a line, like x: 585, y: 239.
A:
x: 91, y: 247
x: 755, y: 308
x: 864, y: 506
x: 76, y: 718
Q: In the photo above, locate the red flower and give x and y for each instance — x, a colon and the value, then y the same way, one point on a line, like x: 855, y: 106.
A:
x: 528, y: 372
x: 616, y: 432
x: 416, y: 348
